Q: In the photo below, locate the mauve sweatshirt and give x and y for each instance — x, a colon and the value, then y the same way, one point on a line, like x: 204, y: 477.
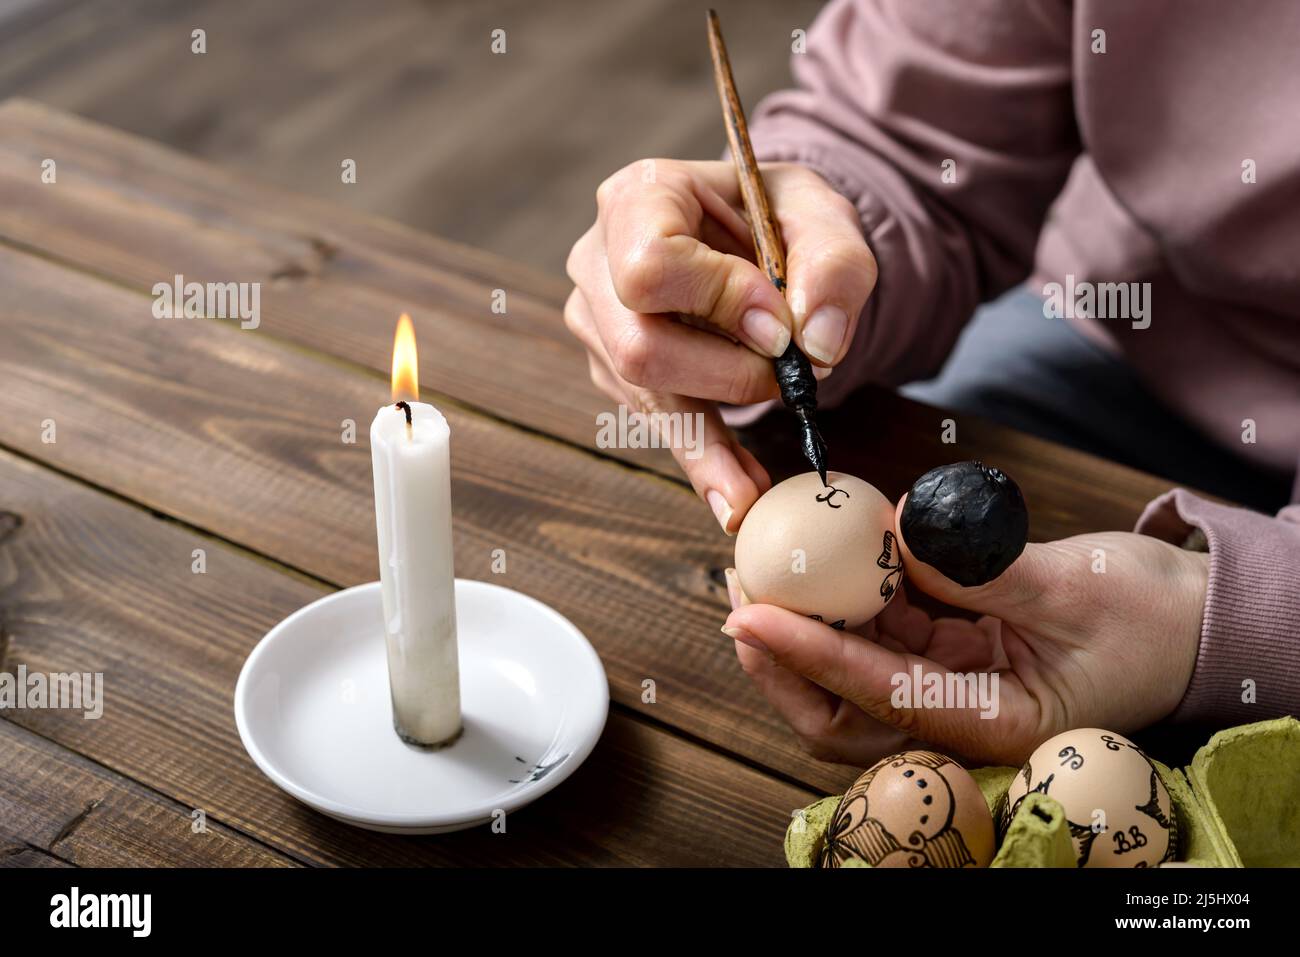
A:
x: 1171, y: 158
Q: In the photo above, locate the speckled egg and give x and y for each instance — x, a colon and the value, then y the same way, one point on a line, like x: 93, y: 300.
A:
x: 826, y: 551
x: 1119, y: 811
x: 915, y: 809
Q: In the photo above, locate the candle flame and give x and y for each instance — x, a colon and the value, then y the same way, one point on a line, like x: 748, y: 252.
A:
x: 406, y: 371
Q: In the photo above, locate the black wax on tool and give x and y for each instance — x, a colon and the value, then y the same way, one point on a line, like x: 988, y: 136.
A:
x: 793, y: 370
x: 967, y: 520
x: 799, y: 394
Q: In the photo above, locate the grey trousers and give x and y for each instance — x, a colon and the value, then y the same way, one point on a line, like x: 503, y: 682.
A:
x: 1042, y: 377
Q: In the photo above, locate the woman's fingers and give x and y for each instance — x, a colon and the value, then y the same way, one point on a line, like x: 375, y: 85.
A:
x: 753, y: 468
x: 962, y: 645
x: 652, y: 221
x: 828, y: 727
x: 692, y: 430
x: 710, y: 463
x: 905, y: 623
x: 805, y: 706
x: 884, y: 683
x: 1031, y: 589
x: 664, y: 354
x: 669, y: 241
x: 650, y: 229
x: 830, y: 271
x: 658, y: 351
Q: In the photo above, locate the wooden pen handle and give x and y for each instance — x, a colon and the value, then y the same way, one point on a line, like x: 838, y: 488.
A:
x: 767, y: 237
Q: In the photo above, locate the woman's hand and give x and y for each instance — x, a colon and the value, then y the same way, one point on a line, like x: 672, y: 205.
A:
x: 671, y: 241
x: 1073, y: 646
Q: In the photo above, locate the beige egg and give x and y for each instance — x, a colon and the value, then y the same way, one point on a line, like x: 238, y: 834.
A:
x: 827, y: 552
x: 915, y: 809
x: 1118, y: 809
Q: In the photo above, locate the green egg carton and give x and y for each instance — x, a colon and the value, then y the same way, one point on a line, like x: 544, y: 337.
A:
x: 1236, y: 805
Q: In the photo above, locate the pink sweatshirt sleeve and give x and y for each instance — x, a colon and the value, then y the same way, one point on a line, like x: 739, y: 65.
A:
x: 1250, y: 633
x: 890, y: 91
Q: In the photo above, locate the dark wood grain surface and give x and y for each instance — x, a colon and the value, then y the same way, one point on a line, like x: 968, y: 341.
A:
x: 70, y: 810
x: 105, y: 586
x: 241, y: 436
x: 180, y: 434
x: 500, y: 150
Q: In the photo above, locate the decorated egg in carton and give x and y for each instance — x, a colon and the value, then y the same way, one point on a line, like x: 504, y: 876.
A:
x: 1233, y: 806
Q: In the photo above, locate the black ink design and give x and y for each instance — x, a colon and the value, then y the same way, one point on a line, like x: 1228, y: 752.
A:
x: 1027, y: 773
x: 1131, y: 841
x: 831, y: 492
x: 837, y: 625
x: 1072, y: 757
x: 1152, y: 810
x: 539, y: 770
x: 1113, y: 745
x: 1006, y: 809
x: 854, y: 833
x: 1002, y: 813
x: 1083, y: 836
x: 967, y: 520
x: 892, y: 562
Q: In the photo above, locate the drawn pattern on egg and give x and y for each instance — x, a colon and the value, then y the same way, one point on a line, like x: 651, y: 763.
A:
x: 1145, y: 834
x: 892, y: 561
x: 838, y: 625
x: 829, y: 552
x: 829, y: 496
x: 900, y: 813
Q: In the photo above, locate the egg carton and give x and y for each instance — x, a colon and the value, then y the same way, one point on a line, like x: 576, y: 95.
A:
x: 1236, y: 805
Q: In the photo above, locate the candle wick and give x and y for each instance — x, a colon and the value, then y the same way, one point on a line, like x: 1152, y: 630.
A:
x: 406, y: 407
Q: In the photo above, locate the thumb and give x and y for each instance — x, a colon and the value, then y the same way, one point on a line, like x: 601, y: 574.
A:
x: 830, y: 271
x: 1020, y: 592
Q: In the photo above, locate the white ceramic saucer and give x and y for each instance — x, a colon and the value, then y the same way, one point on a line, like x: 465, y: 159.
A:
x: 313, y: 710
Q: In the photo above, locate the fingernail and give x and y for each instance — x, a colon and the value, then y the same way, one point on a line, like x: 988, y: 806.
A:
x: 821, y: 373
x: 823, y: 333
x: 744, y: 637
x: 766, y: 331
x: 720, y: 508
x: 734, y: 593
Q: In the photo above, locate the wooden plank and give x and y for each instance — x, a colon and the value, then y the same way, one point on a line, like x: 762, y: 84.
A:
x: 102, y: 160
x: 99, y: 585
x: 57, y: 802
x: 500, y: 151
x: 18, y: 854
x: 139, y: 213
x: 235, y: 433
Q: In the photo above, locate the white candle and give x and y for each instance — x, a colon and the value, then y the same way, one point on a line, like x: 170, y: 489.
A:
x: 412, y: 466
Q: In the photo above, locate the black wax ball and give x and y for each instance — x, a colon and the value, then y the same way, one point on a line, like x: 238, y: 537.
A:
x: 967, y: 520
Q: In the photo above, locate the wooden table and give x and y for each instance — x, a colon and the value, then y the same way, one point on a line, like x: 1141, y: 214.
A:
x: 172, y: 435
